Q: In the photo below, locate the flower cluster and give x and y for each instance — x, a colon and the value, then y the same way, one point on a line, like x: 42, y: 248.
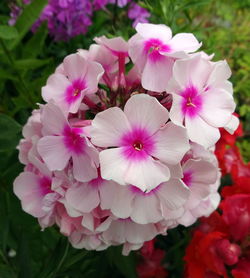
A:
x: 220, y: 246
x: 117, y: 156
x: 69, y: 18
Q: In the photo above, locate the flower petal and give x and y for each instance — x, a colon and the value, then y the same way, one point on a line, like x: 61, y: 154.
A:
x: 200, y: 132
x: 157, y: 73
x: 53, y: 152
x: 83, y: 169
x: 108, y: 127
x: 171, y: 143
x: 145, y: 112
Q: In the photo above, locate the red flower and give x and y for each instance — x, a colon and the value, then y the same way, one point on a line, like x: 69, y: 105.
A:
x: 242, y: 270
x: 236, y: 214
x: 150, y: 265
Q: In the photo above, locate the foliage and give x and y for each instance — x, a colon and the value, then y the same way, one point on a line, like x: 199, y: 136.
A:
x: 26, y: 62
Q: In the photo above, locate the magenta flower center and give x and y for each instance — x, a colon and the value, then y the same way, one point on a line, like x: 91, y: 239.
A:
x: 45, y: 185
x: 187, y: 178
x: 137, y: 144
x: 73, y: 141
x: 153, y: 47
x: 192, y: 102
x: 73, y: 91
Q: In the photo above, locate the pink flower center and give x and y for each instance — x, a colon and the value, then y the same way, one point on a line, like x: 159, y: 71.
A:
x: 73, y: 141
x: 73, y: 91
x: 192, y: 102
x: 187, y: 179
x: 153, y: 47
x: 137, y: 144
x: 45, y: 185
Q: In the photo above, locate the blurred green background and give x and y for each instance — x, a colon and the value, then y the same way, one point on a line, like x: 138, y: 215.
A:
x: 26, y: 61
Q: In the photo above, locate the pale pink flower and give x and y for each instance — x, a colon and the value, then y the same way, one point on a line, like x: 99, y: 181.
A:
x: 202, y: 176
x: 68, y: 86
x: 143, y: 141
x: 34, y: 189
x: 202, y: 99
x: 160, y: 203
x: 154, y: 51
x: 61, y: 142
x: 122, y: 231
x: 84, y: 197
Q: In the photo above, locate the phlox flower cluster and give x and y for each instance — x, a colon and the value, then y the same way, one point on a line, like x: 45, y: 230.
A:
x: 220, y: 244
x: 123, y: 148
x: 69, y: 18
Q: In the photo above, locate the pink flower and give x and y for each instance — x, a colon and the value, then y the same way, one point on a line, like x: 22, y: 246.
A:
x: 61, y: 142
x: 202, y: 98
x: 160, y: 203
x: 154, y: 50
x: 80, y: 78
x: 139, y: 137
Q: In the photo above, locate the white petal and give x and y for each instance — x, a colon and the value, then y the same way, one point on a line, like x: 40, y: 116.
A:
x: 171, y: 143
x: 200, y: 132
x: 173, y: 193
x: 146, y: 112
x: 156, y: 74
x: 218, y: 106
x: 108, y: 127
x: 146, y: 209
x: 159, y: 31
x: 184, y: 42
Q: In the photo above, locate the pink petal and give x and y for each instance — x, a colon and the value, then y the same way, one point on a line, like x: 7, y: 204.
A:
x: 117, y: 44
x: 113, y: 166
x: 218, y: 106
x: 53, y: 120
x: 108, y: 127
x: 175, y: 113
x: 173, y: 193
x: 75, y: 67
x: 53, y: 152
x: 192, y: 71
x: 145, y: 112
x: 83, y: 169
x: 55, y: 87
x: 83, y: 198
x: 200, y: 132
x: 146, y: 209
x: 157, y: 73
x: 122, y: 203
x: 184, y: 42
x: 137, y: 233
x: 108, y: 191
x: 92, y: 77
x: 27, y: 189
x: 145, y: 174
x: 171, y: 143
x: 136, y: 51
x: 159, y: 31
x: 232, y: 125
x: 201, y: 171
x: 220, y: 73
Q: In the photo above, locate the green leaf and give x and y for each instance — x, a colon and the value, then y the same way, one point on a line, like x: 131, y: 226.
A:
x: 25, y: 64
x: 9, y: 135
x: 29, y: 15
x: 125, y: 264
x: 8, y: 32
